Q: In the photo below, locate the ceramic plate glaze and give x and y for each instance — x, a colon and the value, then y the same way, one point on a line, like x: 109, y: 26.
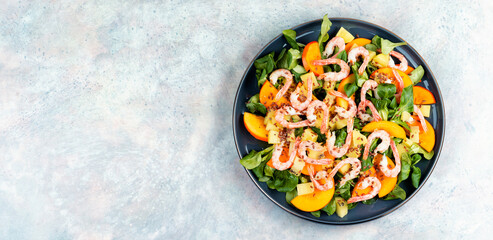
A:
x: 308, y: 32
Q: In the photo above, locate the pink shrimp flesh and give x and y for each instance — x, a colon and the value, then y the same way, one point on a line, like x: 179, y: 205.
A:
x: 276, y: 154
x: 400, y: 85
x: 331, y: 138
x: 329, y: 182
x: 401, y: 66
x: 338, y: 152
x: 359, y: 51
x: 300, y: 106
x: 274, y: 76
x: 366, y: 117
x: 334, y: 42
x: 384, y: 167
x: 356, y: 167
x: 369, y: 84
x: 333, y: 76
x: 287, y: 110
x: 304, y: 145
x: 350, y: 124
x: 351, y: 112
x: 369, y: 181
x: 362, y: 115
x: 374, y: 111
x: 382, y: 147
x: 342, y: 112
x: 421, y: 118
x: 310, y: 114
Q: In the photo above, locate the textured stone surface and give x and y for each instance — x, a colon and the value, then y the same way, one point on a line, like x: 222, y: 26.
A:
x: 115, y: 119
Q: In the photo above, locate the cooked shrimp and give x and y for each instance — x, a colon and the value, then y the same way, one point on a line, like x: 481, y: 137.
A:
x: 342, y: 112
x: 366, y: 117
x: 329, y: 181
x: 338, y: 152
x: 334, y: 42
x: 351, y: 112
x: 300, y: 106
x: 359, y: 51
x: 382, y: 147
x: 355, y: 169
x: 400, y: 85
x: 333, y: 76
x: 329, y: 100
x: 304, y: 145
x: 350, y: 124
x: 367, y: 182
x: 274, y: 76
x: 287, y: 110
x: 384, y: 167
x: 401, y: 66
x: 310, y: 114
x: 369, y: 84
x: 276, y: 154
x: 421, y: 118
x: 362, y: 115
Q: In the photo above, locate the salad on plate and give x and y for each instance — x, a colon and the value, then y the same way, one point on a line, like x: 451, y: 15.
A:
x: 345, y: 120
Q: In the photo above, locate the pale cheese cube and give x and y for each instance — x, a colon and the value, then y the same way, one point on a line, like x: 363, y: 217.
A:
x: 414, y: 134
x: 297, y: 166
x: 344, y: 34
x: 309, y: 135
x: 305, y: 188
x: 425, y: 110
x: 273, y: 137
x: 341, y: 123
x: 358, y: 138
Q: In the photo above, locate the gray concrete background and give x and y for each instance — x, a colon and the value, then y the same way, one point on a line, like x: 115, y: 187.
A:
x: 115, y: 119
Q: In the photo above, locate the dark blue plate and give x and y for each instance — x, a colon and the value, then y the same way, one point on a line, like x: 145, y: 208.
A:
x: 308, y: 32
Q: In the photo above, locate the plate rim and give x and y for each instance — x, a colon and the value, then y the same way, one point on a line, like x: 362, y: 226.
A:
x: 317, y: 220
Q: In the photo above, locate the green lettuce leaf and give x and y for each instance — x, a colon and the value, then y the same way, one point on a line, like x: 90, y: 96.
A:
x: 405, y: 167
x: 290, y: 36
x: 386, y: 90
x: 316, y: 213
x: 330, y: 208
x: 350, y: 89
x: 324, y: 36
x: 291, y: 195
x: 289, y: 59
x: 254, y: 158
x: 417, y: 74
x: 376, y: 41
x: 253, y: 105
x: 264, y: 66
x: 284, y: 181
x: 416, y: 176
x: 396, y: 193
x: 415, y: 148
x: 401, y: 123
x: 371, y: 47
x: 345, y: 190
x: 388, y: 46
x: 385, y: 45
x: 407, y: 102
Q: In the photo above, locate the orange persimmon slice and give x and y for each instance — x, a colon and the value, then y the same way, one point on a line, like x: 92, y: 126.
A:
x: 358, y: 41
x: 311, y: 53
x: 423, y: 96
x: 267, y: 94
x: 255, y: 126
